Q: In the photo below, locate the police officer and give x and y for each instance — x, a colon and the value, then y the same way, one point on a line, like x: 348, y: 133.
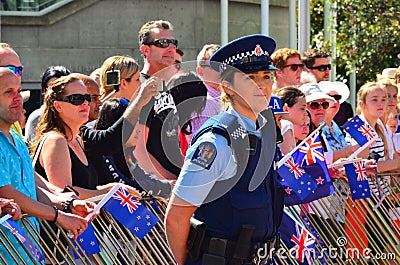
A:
x: 228, y: 181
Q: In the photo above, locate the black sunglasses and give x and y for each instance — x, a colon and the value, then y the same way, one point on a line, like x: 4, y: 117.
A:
x: 315, y: 105
x: 294, y: 67
x: 336, y: 97
x: 321, y: 68
x: 16, y: 69
x: 163, y: 43
x: 76, y: 99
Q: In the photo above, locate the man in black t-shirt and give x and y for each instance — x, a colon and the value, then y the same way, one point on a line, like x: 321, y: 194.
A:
x: 157, y: 149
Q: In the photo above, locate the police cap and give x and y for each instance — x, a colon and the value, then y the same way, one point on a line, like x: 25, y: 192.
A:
x: 249, y: 54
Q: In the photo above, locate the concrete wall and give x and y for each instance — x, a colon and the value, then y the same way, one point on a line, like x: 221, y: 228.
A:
x: 84, y: 33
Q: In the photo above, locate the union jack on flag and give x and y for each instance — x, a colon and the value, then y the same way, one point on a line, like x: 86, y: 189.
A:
x: 358, y: 181
x: 294, y: 168
x: 126, y: 199
x: 310, y: 152
x: 360, y: 170
x: 303, y: 241
x: 297, y: 239
x: 296, y: 178
x: 367, y: 131
x: 17, y: 231
x: 14, y: 231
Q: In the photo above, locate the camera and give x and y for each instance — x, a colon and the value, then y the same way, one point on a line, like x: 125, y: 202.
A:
x: 112, y: 78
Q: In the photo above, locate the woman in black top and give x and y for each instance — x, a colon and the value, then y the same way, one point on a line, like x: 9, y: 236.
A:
x: 61, y: 156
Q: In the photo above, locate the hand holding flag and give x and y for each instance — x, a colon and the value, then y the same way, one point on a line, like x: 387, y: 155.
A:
x: 88, y: 242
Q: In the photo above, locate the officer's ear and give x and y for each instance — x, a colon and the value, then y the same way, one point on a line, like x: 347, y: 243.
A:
x: 227, y: 87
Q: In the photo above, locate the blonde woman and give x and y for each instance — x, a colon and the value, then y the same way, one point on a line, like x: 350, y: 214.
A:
x: 129, y: 76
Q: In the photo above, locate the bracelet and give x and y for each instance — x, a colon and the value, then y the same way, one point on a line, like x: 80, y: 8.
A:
x: 67, y: 205
x: 56, y: 209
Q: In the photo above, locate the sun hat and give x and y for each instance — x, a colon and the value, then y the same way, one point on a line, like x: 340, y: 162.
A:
x: 340, y: 87
x: 313, y: 92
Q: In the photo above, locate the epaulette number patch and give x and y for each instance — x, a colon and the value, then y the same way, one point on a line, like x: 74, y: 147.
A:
x: 204, y: 155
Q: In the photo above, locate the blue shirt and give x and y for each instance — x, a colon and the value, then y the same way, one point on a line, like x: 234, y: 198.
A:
x: 16, y: 170
x: 196, y: 181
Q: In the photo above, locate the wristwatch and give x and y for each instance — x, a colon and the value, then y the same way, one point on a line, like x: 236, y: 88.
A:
x: 66, y: 205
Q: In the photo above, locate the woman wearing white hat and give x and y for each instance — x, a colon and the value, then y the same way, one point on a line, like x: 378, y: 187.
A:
x: 332, y: 134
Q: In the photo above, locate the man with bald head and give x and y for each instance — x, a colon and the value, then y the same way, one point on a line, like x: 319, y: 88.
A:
x: 94, y: 91
x: 10, y: 59
x: 18, y: 180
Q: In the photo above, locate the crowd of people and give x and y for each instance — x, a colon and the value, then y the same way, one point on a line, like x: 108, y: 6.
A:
x: 206, y: 141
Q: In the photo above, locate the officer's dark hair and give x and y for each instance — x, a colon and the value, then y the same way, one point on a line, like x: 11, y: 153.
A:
x: 308, y: 58
x: 289, y: 95
x: 53, y: 71
x: 189, y: 94
x: 111, y: 111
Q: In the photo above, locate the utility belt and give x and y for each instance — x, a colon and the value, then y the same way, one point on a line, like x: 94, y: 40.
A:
x: 218, y: 251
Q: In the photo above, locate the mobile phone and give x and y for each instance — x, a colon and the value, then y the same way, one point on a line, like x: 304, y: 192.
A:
x: 112, y: 78
x: 160, y: 84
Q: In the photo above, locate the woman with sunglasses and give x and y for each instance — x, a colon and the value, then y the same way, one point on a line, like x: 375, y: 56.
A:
x: 317, y: 102
x: 61, y: 157
x: 332, y: 134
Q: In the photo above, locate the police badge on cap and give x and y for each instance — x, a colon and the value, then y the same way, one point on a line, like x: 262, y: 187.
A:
x: 249, y: 54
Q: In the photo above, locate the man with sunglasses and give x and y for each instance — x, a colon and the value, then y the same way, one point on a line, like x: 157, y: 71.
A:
x: 158, y: 47
x: 10, y: 59
x: 317, y: 63
x: 289, y: 63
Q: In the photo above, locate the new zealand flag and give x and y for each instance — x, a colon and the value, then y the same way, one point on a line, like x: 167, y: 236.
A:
x: 298, y: 240
x: 296, y: 178
x: 359, y: 130
x: 130, y: 213
x: 17, y: 231
x: 312, y: 160
x: 358, y: 182
x: 88, y: 242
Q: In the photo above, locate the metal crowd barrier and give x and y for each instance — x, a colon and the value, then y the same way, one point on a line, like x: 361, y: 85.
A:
x: 117, y: 244
x: 380, y: 214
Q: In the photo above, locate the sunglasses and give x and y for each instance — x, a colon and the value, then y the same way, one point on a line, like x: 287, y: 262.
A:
x: 294, y: 67
x: 315, y: 105
x: 321, y: 68
x: 163, y: 43
x: 76, y: 99
x: 16, y: 69
x: 336, y: 97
